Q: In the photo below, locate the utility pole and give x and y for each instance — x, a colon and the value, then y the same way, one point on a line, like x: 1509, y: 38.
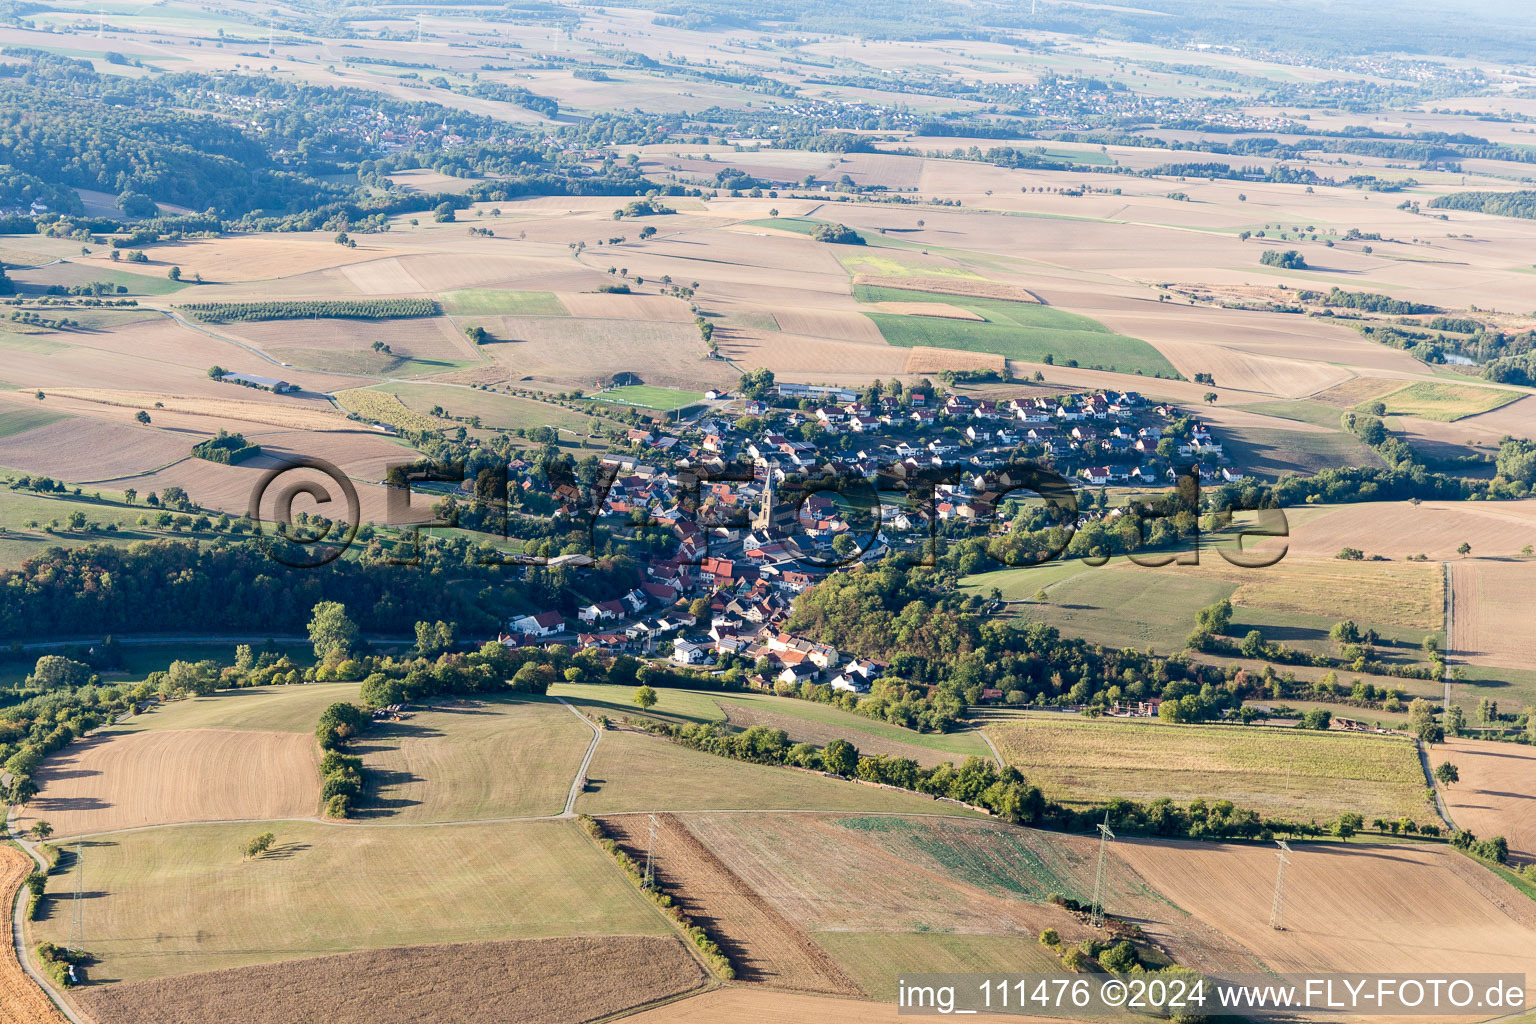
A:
x: 1276, y: 915
x: 1105, y: 835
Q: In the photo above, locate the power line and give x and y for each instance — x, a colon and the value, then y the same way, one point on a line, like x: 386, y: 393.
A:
x: 1105, y: 835
x: 650, y: 850
x: 1276, y: 915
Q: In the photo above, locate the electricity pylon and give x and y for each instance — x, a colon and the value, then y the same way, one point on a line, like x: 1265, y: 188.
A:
x: 1276, y: 911
x: 1105, y: 835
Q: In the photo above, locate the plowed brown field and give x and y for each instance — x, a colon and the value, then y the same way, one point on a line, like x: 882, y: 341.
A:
x: 528, y: 981
x: 1497, y: 792
x: 1349, y: 908
x: 763, y: 945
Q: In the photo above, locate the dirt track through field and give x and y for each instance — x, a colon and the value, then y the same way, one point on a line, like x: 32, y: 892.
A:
x: 762, y: 944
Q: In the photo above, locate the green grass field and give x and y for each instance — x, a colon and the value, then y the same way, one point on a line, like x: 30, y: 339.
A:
x: 1444, y: 401
x: 330, y: 889
x: 1130, y: 607
x: 472, y: 760
x: 645, y: 396
x: 153, y: 282
x: 497, y: 412
x: 1018, y: 330
x: 15, y: 421
x: 1319, y: 414
x: 1295, y: 603
x: 820, y: 720
x: 265, y: 708
x: 1289, y: 773
x: 500, y: 302
x: 800, y: 225
x: 636, y: 772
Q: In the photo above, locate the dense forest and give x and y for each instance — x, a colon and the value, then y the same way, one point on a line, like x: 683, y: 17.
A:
x: 1503, y: 204
x: 167, y: 586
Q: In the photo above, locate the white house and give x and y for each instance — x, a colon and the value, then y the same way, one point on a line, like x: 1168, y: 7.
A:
x: 543, y: 624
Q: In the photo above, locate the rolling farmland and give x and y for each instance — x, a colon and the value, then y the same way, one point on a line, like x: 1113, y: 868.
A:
x: 1495, y: 793
x: 526, y: 981
x: 319, y: 892
x: 124, y: 779
x: 1285, y: 773
x: 464, y: 760
x: 21, y: 1001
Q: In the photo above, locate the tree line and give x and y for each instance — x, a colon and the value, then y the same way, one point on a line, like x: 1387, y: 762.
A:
x: 298, y: 309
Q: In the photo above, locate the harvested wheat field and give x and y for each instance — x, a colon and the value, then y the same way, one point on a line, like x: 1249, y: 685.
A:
x: 289, y: 415
x: 578, y: 350
x: 942, y: 310
x: 416, y: 344
x: 523, y: 981
x: 626, y: 307
x: 735, y: 1005
x: 21, y: 1001
x: 464, y: 760
x: 968, y: 287
x: 922, y: 359
x: 81, y: 449
x: 841, y: 325
x: 763, y: 945
x: 1497, y: 792
x: 1348, y: 908
x: 795, y: 356
x: 131, y: 779
x: 1491, y: 610
x: 1399, y: 529
x: 251, y: 257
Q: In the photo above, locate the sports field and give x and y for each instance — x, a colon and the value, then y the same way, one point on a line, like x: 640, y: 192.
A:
x: 644, y: 396
x: 1285, y: 773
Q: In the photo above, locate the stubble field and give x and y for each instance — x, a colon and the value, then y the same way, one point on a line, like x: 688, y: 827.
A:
x: 1282, y: 773
x: 124, y: 779
x: 467, y: 760
x: 521, y: 981
x: 337, y: 888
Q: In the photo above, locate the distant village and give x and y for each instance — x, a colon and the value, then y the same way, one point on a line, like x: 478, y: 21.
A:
x: 727, y: 590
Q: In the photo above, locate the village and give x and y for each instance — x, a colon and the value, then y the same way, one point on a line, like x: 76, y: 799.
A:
x: 751, y: 534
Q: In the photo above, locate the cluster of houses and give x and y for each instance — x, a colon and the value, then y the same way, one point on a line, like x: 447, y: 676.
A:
x: 742, y: 546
